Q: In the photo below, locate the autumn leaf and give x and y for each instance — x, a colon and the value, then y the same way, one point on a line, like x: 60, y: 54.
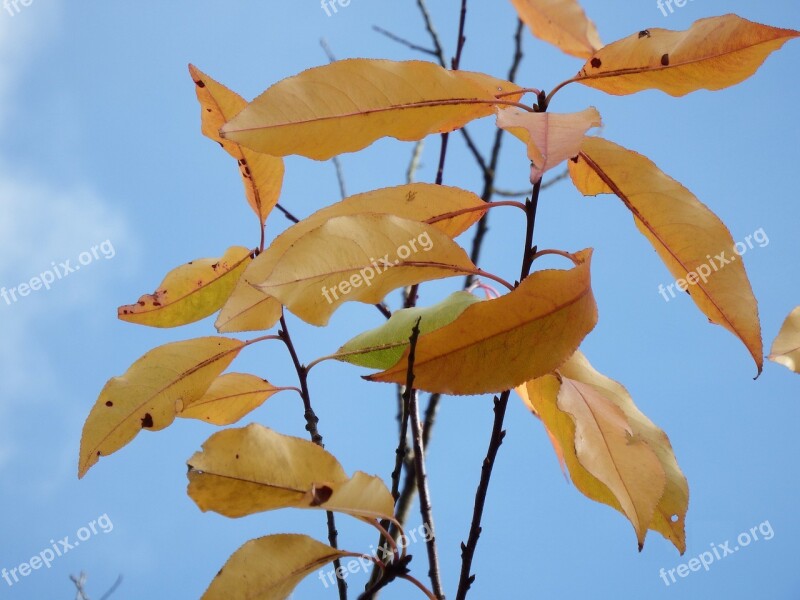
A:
x: 262, y: 174
x: 713, y: 54
x: 614, y: 453
x: 360, y: 258
x: 283, y: 561
x: 562, y: 23
x: 254, y: 469
x: 249, y: 309
x: 383, y: 346
x: 347, y: 105
x: 551, y: 138
x: 786, y: 347
x: 152, y: 392
x: 229, y: 399
x: 190, y: 292
x: 694, y: 244
x: 499, y: 344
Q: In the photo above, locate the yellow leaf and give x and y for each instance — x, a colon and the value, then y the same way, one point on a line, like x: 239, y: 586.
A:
x: 151, y: 393
x: 562, y: 23
x: 614, y: 453
x: 230, y: 397
x: 347, y: 105
x: 713, y: 54
x: 270, y: 568
x: 262, y: 174
x: 786, y: 347
x: 190, y: 292
x: 245, y: 471
x: 691, y: 240
x: 551, y: 138
x: 360, y: 258
x: 249, y: 309
x: 499, y: 344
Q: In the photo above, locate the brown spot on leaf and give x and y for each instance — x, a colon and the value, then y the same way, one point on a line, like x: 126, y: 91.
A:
x: 147, y: 421
x: 320, y: 495
x: 644, y: 33
x: 199, y: 83
x: 109, y: 404
x: 597, y: 63
x: 665, y: 60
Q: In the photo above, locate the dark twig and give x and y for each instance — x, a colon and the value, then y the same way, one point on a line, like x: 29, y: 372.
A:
x: 311, y: 426
x: 287, y: 214
x: 490, y: 173
x: 522, y: 193
x: 498, y: 433
x: 412, y: 401
x: 337, y: 163
x: 403, y: 41
x: 112, y: 589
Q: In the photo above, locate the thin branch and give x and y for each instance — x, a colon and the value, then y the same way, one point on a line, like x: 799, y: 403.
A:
x: 412, y: 401
x: 112, y: 589
x: 490, y: 173
x: 403, y: 41
x: 416, y: 159
x: 522, y: 193
x: 498, y: 433
x: 437, y: 42
x: 287, y: 214
x: 311, y: 426
x: 337, y: 163
x: 79, y: 582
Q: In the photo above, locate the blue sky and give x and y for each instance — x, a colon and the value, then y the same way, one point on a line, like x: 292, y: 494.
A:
x: 100, y: 142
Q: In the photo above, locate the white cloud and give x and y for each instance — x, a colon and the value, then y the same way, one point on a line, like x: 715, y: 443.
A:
x: 40, y: 223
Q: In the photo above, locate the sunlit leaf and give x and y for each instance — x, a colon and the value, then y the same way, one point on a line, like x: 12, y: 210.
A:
x: 691, y: 240
x: 249, y: 309
x: 230, y: 397
x: 786, y: 347
x: 152, y: 392
x: 499, y: 344
x: 347, y: 105
x: 551, y: 138
x: 359, y: 258
x: 190, y: 292
x: 614, y: 453
x: 254, y: 469
x: 713, y: 54
x: 262, y: 174
x: 562, y: 23
x: 270, y: 568
x: 383, y: 346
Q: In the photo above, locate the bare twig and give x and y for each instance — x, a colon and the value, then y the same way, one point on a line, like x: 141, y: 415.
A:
x: 80, y: 582
x: 412, y: 401
x: 311, y: 426
x: 112, y: 589
x: 287, y: 214
x: 337, y: 163
x: 403, y: 41
x: 416, y: 159
x: 522, y: 193
x: 498, y: 433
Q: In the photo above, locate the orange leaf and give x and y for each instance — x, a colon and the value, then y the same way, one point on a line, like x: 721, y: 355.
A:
x: 347, y: 105
x: 713, y: 54
x: 684, y: 232
x: 562, y: 23
x: 499, y: 344
x: 262, y: 174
